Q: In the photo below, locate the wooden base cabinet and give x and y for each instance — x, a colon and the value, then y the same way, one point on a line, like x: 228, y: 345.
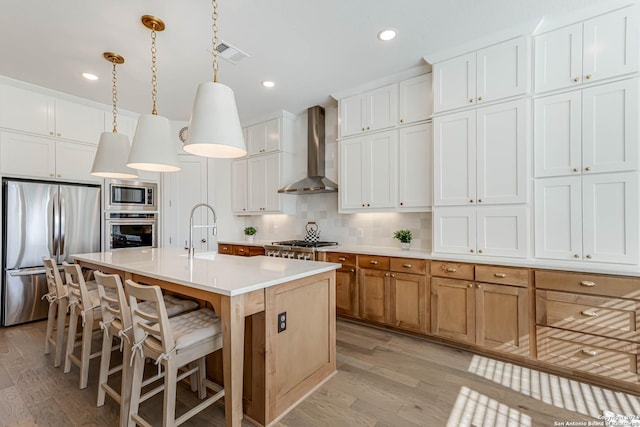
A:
x: 408, y: 301
x: 346, y: 284
x: 374, y: 291
x: 453, y: 309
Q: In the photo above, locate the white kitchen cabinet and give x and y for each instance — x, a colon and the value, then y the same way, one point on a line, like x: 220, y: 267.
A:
x: 480, y: 156
x: 33, y: 112
x: 239, y: 187
x: 370, y: 111
x: 368, y: 172
x: 415, y: 102
x: 483, y: 231
x: 415, y: 160
x: 264, y: 178
x: 600, y: 48
x: 38, y: 157
x: 588, y: 131
x: 591, y: 218
x: 264, y: 137
x: 490, y: 74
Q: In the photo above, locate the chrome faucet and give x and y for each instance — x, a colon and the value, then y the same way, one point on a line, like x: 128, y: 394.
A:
x: 191, y: 226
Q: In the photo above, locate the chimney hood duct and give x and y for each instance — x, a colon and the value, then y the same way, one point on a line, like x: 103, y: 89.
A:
x: 315, y: 182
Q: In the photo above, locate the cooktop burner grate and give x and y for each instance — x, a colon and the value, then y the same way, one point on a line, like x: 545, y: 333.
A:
x: 305, y: 244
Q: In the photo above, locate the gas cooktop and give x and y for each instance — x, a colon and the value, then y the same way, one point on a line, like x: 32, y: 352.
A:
x: 304, y: 244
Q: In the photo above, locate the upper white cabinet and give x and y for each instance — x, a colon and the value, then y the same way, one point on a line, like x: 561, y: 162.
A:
x: 480, y: 155
x: 239, y: 187
x: 591, y: 218
x: 588, y: 131
x: 264, y: 181
x: 490, y: 74
x: 600, y: 48
x: 415, y: 100
x: 368, y: 171
x: 269, y: 136
x: 484, y: 231
x: 415, y: 182
x: 33, y: 112
x: 39, y: 157
x: 373, y: 110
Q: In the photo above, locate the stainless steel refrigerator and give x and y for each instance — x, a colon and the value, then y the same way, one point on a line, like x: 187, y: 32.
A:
x: 42, y: 219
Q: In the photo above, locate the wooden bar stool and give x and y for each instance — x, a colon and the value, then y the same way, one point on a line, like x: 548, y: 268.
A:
x: 58, y: 299
x: 85, y: 304
x: 173, y: 343
x: 116, y: 323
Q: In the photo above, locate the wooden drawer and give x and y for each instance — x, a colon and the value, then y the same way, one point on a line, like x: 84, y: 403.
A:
x: 409, y: 265
x: 241, y: 250
x: 594, y: 284
x: 225, y: 249
x: 454, y: 270
x: 256, y: 250
x: 502, y: 275
x: 588, y: 353
x: 373, y: 262
x: 342, y: 258
x: 604, y: 316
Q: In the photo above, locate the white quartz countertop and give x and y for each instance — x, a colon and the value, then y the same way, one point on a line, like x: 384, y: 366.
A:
x: 221, y: 274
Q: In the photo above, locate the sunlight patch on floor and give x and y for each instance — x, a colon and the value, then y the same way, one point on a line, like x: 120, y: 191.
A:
x: 475, y: 409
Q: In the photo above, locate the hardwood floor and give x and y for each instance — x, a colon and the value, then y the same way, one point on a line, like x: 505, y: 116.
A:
x: 383, y: 379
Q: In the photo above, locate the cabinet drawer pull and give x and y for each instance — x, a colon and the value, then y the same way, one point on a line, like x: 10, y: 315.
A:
x: 587, y: 283
x: 342, y: 259
x: 224, y: 248
x: 589, y: 352
x: 500, y: 275
x: 576, y: 79
x: 589, y: 313
x: 374, y: 262
x: 470, y: 285
x: 386, y: 274
x: 241, y: 250
x: 407, y: 265
x: 451, y: 270
x: 353, y: 270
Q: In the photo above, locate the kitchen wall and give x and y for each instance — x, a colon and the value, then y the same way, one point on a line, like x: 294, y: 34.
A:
x: 371, y: 229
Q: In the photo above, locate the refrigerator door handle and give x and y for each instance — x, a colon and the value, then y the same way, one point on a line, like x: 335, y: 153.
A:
x: 54, y: 227
x: 63, y: 215
x: 27, y: 272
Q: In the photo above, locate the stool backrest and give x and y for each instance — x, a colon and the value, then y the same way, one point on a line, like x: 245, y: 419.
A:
x: 54, y: 281
x: 76, y: 285
x: 153, y: 324
x: 113, y: 308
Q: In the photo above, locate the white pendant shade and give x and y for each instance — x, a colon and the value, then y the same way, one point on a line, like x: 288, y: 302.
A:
x: 111, y: 157
x: 152, y: 148
x: 214, y: 128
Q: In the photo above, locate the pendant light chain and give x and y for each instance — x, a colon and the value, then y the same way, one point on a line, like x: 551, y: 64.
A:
x: 214, y: 39
x: 114, y: 97
x: 154, y: 70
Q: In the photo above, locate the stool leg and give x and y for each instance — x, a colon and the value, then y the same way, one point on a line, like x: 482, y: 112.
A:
x: 71, y: 339
x: 62, y: 317
x: 126, y: 386
x: 193, y: 378
x: 51, y: 320
x: 202, y: 374
x: 105, y: 360
x: 85, y: 358
x: 136, y: 387
x: 170, y: 379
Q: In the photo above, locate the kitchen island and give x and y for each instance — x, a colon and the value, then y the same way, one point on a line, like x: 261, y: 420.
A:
x: 280, y: 367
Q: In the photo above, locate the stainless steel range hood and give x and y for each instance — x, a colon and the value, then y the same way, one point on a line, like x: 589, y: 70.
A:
x: 315, y: 182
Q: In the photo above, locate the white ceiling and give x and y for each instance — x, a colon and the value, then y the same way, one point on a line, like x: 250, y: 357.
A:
x: 311, y: 49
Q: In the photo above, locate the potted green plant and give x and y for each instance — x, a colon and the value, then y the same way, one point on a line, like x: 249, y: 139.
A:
x: 250, y: 232
x: 405, y: 238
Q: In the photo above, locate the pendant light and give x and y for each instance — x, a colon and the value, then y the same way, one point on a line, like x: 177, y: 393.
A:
x: 214, y: 127
x: 113, y: 148
x: 152, y: 148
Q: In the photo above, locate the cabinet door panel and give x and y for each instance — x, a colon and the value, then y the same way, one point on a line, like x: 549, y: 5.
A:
x: 382, y: 107
x: 454, y: 83
x: 453, y: 309
x: 257, y: 196
x: 502, y: 318
x: 78, y: 122
x: 351, y: 115
x: 409, y: 301
x: 610, y: 127
x: 347, y: 292
x: 502, y: 153
x: 382, y: 170
x: 610, y: 45
x: 374, y: 288
x: 454, y: 151
x: 558, y: 218
x: 272, y: 182
x: 503, y: 231
x: 502, y: 70
x: 256, y: 139
x: 26, y: 111
x: 74, y: 161
x: 352, y: 153
x: 415, y: 100
x: 27, y: 155
x: 558, y: 134
x: 239, y: 186
x: 558, y: 58
x: 415, y: 184
x: 272, y: 137
x: 610, y: 217
x: 454, y: 230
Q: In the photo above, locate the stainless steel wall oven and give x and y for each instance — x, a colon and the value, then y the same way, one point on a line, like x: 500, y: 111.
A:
x: 130, y: 230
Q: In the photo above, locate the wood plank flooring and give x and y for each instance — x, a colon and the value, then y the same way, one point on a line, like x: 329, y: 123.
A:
x: 383, y: 379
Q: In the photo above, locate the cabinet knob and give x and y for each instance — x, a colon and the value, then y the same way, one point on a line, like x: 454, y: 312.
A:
x: 401, y: 204
x: 244, y: 209
x: 500, y: 275
x: 576, y: 169
x: 368, y: 205
x: 451, y: 270
x: 367, y: 127
x: 241, y: 250
x: 588, y: 283
x: 374, y: 262
x: 407, y: 265
x: 341, y: 259
x: 393, y: 275
x: 588, y: 256
x: 478, y: 286
x: 576, y: 79
x: 470, y: 200
x: 59, y: 175
x: 589, y: 313
x: 224, y: 248
x: 479, y: 200
x: 588, y: 168
x: 479, y: 98
x: 471, y: 100
x: 353, y: 270
x: 51, y: 133
x: 480, y: 251
x: 470, y: 285
x: 363, y: 205
x: 363, y: 129
x: 386, y: 274
x: 401, y: 120
x: 471, y: 250
x: 203, y: 240
x: 576, y: 256
x: 51, y: 174
x: 588, y: 76
x: 591, y: 353
x: 59, y: 134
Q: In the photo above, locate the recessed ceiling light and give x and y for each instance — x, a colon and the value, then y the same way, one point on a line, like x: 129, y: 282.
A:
x: 268, y: 83
x: 89, y: 76
x: 388, y: 34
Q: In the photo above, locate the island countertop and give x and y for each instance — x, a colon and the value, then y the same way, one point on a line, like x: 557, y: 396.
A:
x: 222, y: 274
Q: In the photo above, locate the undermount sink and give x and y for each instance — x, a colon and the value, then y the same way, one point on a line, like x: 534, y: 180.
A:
x: 203, y: 255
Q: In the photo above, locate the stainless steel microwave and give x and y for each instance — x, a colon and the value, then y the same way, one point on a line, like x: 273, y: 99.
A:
x: 131, y: 195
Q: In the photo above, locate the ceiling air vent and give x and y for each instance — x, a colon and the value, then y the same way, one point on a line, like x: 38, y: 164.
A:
x: 230, y: 53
